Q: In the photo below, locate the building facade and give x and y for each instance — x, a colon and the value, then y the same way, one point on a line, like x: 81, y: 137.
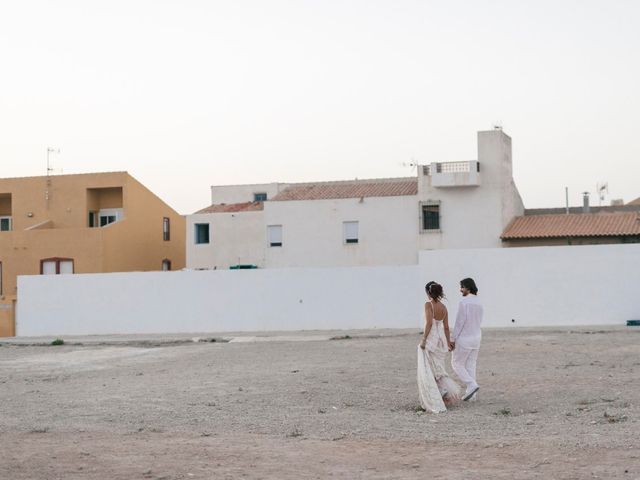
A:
x: 360, y: 222
x: 86, y: 223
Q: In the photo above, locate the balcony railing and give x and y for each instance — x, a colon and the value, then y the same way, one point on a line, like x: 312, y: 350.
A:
x: 450, y: 167
x: 453, y: 174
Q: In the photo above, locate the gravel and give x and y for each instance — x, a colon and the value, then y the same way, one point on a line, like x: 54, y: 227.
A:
x: 553, y: 402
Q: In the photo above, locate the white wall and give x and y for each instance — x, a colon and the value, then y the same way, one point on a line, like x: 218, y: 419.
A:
x: 234, y: 238
x: 243, y: 193
x: 218, y: 301
x: 475, y: 216
x: 538, y: 286
x: 544, y: 286
x: 313, y: 232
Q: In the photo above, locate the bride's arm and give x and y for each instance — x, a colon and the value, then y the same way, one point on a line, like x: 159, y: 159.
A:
x: 446, y: 327
x: 428, y: 315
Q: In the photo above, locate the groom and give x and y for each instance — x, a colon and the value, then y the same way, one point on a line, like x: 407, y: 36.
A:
x: 466, y: 337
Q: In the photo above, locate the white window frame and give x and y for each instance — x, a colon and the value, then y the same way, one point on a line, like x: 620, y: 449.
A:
x: 274, y: 235
x: 117, y: 213
x: 7, y: 217
x: 351, y: 232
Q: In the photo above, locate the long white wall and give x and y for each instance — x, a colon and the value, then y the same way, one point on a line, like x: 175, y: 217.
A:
x: 544, y: 286
x: 218, y: 301
x: 538, y: 286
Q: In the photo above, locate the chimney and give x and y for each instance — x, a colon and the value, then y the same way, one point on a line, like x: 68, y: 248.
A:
x: 585, y: 202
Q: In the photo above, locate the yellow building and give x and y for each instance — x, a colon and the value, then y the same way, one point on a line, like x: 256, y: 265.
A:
x: 86, y: 223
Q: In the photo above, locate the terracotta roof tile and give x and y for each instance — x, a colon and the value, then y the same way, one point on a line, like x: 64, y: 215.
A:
x: 233, y: 207
x: 391, y: 187
x: 634, y: 202
x: 573, y: 225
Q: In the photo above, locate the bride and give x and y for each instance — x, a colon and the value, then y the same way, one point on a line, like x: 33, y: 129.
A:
x: 437, y: 390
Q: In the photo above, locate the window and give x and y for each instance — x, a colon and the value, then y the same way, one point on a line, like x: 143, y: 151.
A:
x: 166, y: 229
x: 107, y: 219
x: 93, y: 219
x: 431, y: 216
x: 166, y: 265
x: 274, y: 235
x: 260, y: 197
x: 5, y: 224
x: 56, y: 266
x: 201, y: 233
x: 350, y: 232
x: 109, y: 215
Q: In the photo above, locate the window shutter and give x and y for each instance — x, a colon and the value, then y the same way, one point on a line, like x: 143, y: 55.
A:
x: 66, y: 266
x: 274, y: 235
x: 350, y: 232
x: 49, y: 267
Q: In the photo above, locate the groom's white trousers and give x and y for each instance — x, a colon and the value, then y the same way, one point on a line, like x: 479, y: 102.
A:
x: 463, y: 362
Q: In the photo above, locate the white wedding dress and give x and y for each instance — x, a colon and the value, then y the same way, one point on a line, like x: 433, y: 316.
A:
x: 433, y: 380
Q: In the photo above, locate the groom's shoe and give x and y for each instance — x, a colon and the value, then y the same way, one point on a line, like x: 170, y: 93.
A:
x: 471, y: 393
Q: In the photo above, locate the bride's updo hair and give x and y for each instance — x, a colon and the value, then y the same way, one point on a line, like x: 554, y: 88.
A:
x: 434, y: 290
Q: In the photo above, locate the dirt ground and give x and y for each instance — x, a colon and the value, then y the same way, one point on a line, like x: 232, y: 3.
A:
x: 553, y: 403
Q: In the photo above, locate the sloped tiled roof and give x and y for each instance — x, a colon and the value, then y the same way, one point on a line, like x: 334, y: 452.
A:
x: 386, y: 187
x: 634, y: 202
x: 233, y: 207
x: 573, y: 225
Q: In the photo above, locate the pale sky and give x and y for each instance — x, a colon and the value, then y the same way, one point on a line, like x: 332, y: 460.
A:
x: 187, y: 94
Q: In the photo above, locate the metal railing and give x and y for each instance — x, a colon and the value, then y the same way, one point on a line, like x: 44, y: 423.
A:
x: 449, y: 167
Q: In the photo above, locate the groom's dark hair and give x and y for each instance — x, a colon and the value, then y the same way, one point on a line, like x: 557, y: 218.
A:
x: 469, y: 284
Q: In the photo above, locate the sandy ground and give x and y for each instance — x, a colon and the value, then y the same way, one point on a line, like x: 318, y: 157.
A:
x: 553, y: 404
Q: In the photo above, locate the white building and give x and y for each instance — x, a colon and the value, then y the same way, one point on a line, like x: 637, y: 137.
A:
x: 360, y: 222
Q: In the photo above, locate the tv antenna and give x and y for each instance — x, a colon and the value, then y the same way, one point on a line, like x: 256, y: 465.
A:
x: 411, y: 164
x: 603, y: 189
x: 51, y: 150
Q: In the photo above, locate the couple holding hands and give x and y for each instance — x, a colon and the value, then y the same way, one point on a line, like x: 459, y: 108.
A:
x: 437, y: 390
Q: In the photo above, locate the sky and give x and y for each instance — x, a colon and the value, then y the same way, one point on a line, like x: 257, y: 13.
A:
x: 188, y: 94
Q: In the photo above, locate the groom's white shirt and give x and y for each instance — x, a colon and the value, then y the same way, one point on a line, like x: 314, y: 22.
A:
x: 466, y: 332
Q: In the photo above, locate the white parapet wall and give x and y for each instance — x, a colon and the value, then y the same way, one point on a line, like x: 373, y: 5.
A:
x: 538, y: 286
x: 544, y: 286
x: 219, y: 301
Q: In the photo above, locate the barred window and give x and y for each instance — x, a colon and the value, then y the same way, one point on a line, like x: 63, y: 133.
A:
x: 431, y: 217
